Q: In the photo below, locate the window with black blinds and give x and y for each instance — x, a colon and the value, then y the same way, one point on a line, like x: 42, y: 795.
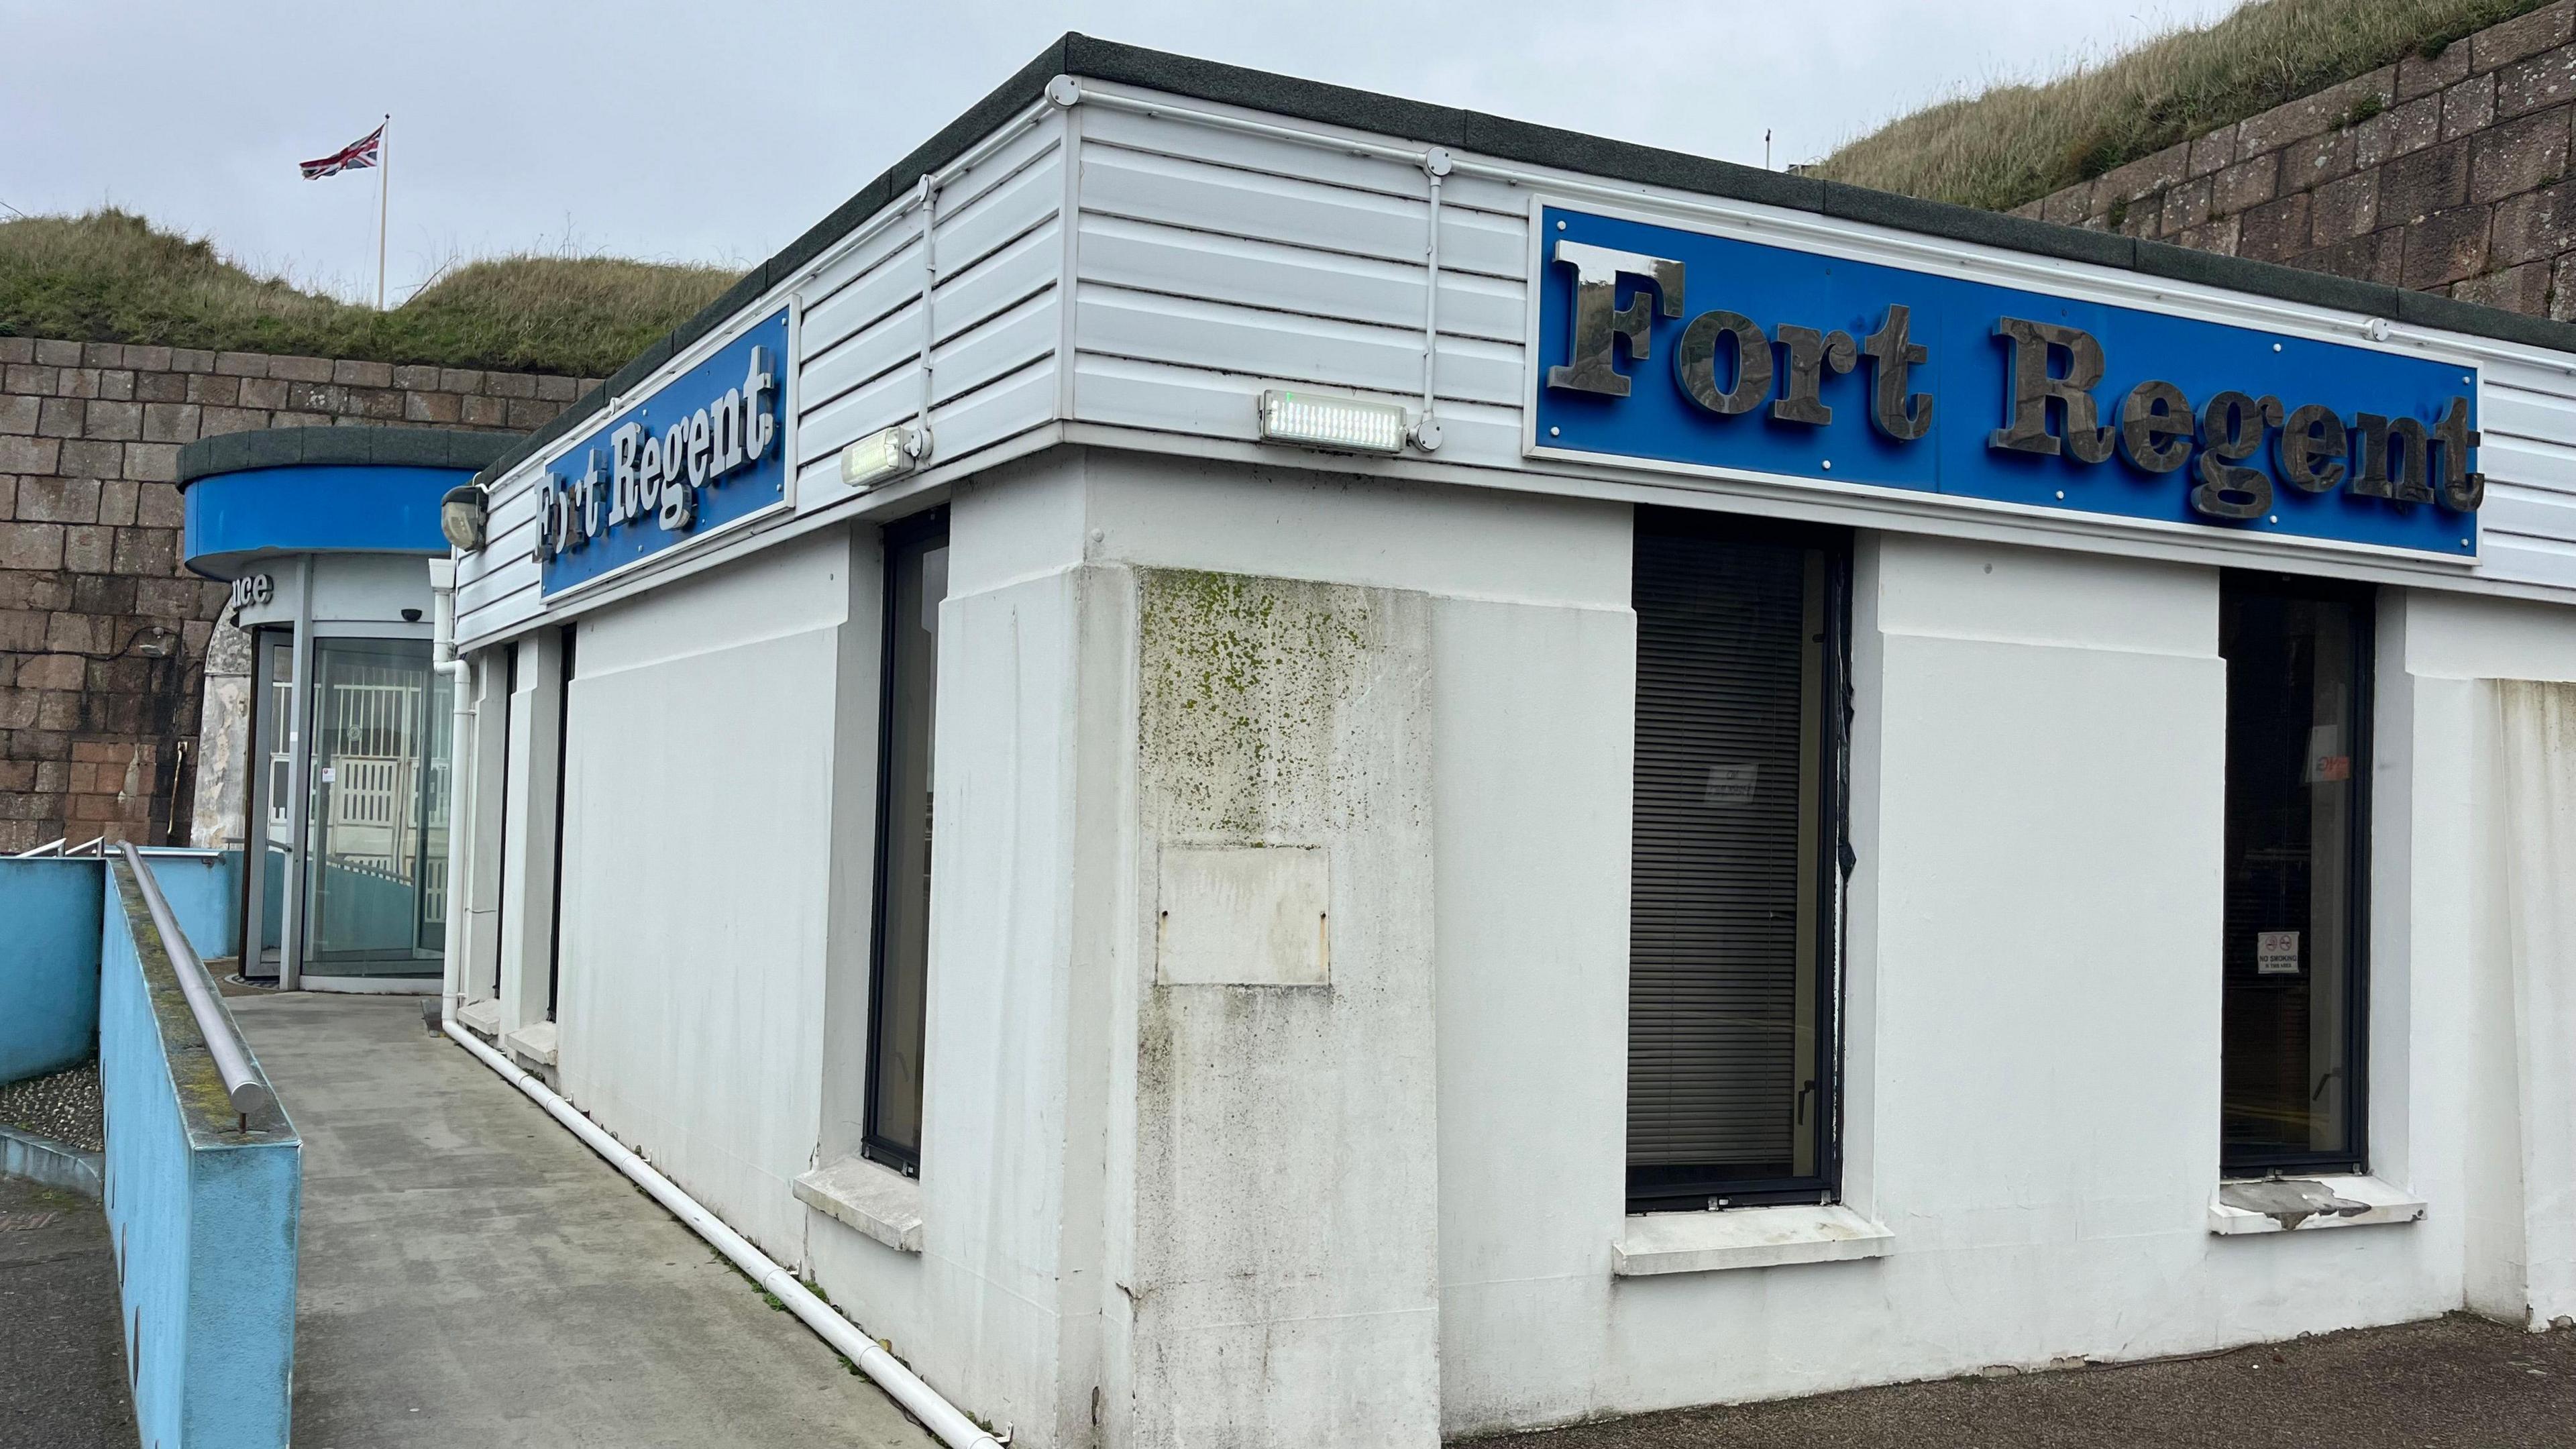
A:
x: 1731, y: 1042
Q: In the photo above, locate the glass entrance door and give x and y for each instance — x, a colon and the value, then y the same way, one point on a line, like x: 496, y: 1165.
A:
x: 271, y: 826
x: 377, y: 830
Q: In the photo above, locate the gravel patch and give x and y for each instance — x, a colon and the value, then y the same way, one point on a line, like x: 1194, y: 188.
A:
x: 63, y: 1107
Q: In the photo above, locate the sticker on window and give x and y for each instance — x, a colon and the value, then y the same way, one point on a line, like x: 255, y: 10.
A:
x: 2327, y: 760
x: 2276, y: 953
x: 1731, y: 784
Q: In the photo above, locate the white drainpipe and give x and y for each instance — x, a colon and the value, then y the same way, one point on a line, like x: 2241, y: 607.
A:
x: 460, y: 831
x: 942, y: 1417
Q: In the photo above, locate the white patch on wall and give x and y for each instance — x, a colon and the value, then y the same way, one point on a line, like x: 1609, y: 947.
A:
x: 1245, y: 916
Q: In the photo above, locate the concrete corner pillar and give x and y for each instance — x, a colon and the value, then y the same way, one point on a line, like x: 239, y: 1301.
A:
x: 1280, y: 1277
x: 2536, y: 768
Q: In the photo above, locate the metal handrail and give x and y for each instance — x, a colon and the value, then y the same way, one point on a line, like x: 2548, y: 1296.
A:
x: 243, y: 1084
x: 50, y: 847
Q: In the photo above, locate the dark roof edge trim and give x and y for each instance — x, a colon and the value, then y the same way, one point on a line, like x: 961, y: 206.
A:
x: 344, y: 447
x: 1508, y: 140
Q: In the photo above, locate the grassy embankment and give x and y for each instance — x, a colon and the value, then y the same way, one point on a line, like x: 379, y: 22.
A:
x: 111, y: 276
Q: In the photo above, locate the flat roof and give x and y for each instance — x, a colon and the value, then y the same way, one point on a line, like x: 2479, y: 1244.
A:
x: 1505, y: 139
x: 341, y: 447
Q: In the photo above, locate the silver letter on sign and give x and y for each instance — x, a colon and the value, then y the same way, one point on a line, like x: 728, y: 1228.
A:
x: 1598, y: 317
x: 627, y: 481
x: 757, y: 426
x: 698, y: 435
x: 679, y: 503
x: 725, y: 446
x: 590, y: 495
x: 549, y: 494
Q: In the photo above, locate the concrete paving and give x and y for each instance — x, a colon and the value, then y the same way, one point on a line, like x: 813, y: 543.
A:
x: 471, y: 1274
x: 2452, y: 1383
x: 62, y: 1358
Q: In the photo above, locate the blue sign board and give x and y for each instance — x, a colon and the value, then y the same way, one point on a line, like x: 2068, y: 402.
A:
x: 1664, y: 344
x: 704, y: 450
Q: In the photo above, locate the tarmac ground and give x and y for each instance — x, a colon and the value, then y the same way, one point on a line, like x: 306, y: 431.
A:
x: 62, y: 1358
x: 2449, y: 1383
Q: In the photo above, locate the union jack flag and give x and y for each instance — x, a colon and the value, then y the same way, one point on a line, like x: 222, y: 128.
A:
x: 358, y: 155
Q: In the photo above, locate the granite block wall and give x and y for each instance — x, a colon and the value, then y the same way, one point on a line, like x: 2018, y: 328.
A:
x: 105, y: 640
x: 2446, y: 173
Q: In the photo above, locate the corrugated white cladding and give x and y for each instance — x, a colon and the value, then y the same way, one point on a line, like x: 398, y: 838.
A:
x: 2527, y: 417
x: 1204, y: 262
x: 997, y: 258
x: 1214, y: 264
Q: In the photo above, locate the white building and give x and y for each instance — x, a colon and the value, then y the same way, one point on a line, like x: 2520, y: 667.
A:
x: 1603, y: 879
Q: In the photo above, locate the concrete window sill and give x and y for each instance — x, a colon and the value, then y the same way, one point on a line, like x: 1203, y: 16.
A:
x: 481, y: 1017
x: 532, y: 1045
x: 2300, y: 1204
x: 878, y: 1201
x: 1762, y: 1237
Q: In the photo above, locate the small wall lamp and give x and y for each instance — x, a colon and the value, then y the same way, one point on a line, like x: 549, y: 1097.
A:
x: 461, y: 516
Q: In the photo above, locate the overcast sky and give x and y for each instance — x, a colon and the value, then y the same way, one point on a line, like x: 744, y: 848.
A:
x: 718, y: 131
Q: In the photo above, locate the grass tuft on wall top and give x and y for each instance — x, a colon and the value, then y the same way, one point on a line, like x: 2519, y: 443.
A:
x: 2016, y: 143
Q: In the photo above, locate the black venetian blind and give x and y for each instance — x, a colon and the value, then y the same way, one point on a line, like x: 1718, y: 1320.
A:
x: 1725, y: 1016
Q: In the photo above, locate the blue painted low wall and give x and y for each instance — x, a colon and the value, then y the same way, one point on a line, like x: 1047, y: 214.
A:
x: 48, y: 964
x: 203, y: 1205
x: 204, y: 892
x: 49, y: 946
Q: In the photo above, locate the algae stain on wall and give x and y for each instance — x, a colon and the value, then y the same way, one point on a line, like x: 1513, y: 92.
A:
x: 1247, y: 685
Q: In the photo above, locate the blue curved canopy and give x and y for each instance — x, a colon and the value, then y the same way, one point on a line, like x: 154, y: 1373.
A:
x: 235, y: 519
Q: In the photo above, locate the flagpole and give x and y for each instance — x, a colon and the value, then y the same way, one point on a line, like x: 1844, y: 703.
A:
x: 384, y: 188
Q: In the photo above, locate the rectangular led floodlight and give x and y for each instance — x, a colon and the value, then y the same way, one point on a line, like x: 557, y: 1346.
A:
x: 883, y: 454
x: 1336, y: 424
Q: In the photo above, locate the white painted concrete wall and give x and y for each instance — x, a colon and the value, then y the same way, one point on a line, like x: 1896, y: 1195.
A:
x: 695, y: 884
x: 2490, y: 857
x: 2536, y: 739
x: 1536, y: 735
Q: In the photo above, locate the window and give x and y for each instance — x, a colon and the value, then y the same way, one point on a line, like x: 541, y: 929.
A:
x: 1735, y: 880
x: 497, y: 713
x: 563, y: 785
x: 916, y: 581
x: 2298, y: 806
x: 268, y: 833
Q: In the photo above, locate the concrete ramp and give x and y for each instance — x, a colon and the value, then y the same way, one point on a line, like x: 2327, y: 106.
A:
x: 471, y: 1274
